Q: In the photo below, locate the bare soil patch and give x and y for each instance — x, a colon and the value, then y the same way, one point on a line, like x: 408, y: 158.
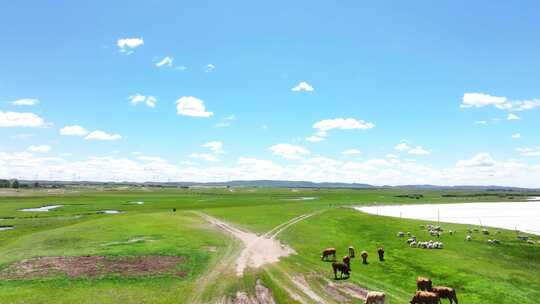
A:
x: 262, y: 295
x: 94, y: 266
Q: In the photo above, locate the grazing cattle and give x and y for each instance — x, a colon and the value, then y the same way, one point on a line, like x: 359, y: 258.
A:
x: 351, y: 252
x: 425, y: 297
x: 423, y: 284
x: 328, y: 252
x: 380, y: 251
x: 401, y: 234
x: 374, y: 297
x: 174, y: 210
x: 468, y: 238
x: 347, y: 261
x: 446, y: 293
x: 485, y: 231
x: 342, y: 268
x: 364, y: 256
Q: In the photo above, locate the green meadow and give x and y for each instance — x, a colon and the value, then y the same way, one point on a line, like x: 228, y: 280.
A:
x: 480, y: 273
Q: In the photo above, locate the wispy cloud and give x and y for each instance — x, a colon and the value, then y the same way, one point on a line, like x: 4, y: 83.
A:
x: 102, y: 135
x: 289, y: 151
x: 165, y: 62
x: 25, y: 102
x: 149, y: 101
x: 209, y: 68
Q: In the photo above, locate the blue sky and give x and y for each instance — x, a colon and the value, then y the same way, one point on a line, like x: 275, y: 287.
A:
x: 414, y: 92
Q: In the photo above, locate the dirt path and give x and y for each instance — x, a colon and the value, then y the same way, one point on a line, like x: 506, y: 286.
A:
x: 258, y: 250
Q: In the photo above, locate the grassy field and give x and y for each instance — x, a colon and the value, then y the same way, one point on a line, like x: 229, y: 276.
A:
x: 507, y: 273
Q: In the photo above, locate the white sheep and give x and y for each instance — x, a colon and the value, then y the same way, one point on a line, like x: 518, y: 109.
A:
x: 468, y: 238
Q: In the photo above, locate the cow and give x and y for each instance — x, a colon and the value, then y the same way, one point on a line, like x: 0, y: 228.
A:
x: 374, y: 297
x: 425, y: 297
x: 342, y: 268
x: 380, y: 251
x: 347, y: 261
x: 423, y: 284
x: 328, y: 252
x: 446, y: 293
x: 364, y: 256
x: 351, y: 252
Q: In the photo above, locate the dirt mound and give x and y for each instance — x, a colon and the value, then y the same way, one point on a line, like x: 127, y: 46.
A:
x: 94, y: 266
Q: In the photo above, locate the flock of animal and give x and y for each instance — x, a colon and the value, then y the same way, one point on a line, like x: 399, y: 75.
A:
x: 433, y: 231
x: 428, y: 294
x: 344, y: 268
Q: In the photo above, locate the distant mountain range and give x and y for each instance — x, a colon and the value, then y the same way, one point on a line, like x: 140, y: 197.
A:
x: 276, y: 184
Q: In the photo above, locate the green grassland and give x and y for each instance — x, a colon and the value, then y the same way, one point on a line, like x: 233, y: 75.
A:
x: 507, y: 273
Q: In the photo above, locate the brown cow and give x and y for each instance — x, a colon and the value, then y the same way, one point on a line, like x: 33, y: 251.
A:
x: 342, y: 268
x: 380, y: 251
x: 328, y: 252
x: 347, y: 261
x: 364, y: 256
x: 446, y: 293
x: 374, y: 297
x: 423, y: 284
x: 425, y: 297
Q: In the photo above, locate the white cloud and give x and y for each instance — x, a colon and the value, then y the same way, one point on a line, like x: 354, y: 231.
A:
x: 101, y: 135
x: 376, y: 171
x: 529, y: 151
x: 39, y: 149
x: 303, y: 86
x: 315, y: 138
x: 215, y: 146
x: 342, y: 124
x: 25, y: 102
x: 480, y: 122
x: 150, y: 101
x: 20, y: 119
x: 181, y: 67
x: 209, y: 68
x: 205, y: 156
x: 419, y: 150
x: 402, y: 147
x: 512, y: 116
x: 479, y: 100
x: 289, y: 151
x: 73, y: 130
x: 191, y: 106
x: 127, y: 45
x: 166, y: 61
x: 351, y: 152
x: 516, y: 135
x: 478, y: 160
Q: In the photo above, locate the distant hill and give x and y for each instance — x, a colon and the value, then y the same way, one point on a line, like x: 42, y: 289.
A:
x: 273, y: 184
